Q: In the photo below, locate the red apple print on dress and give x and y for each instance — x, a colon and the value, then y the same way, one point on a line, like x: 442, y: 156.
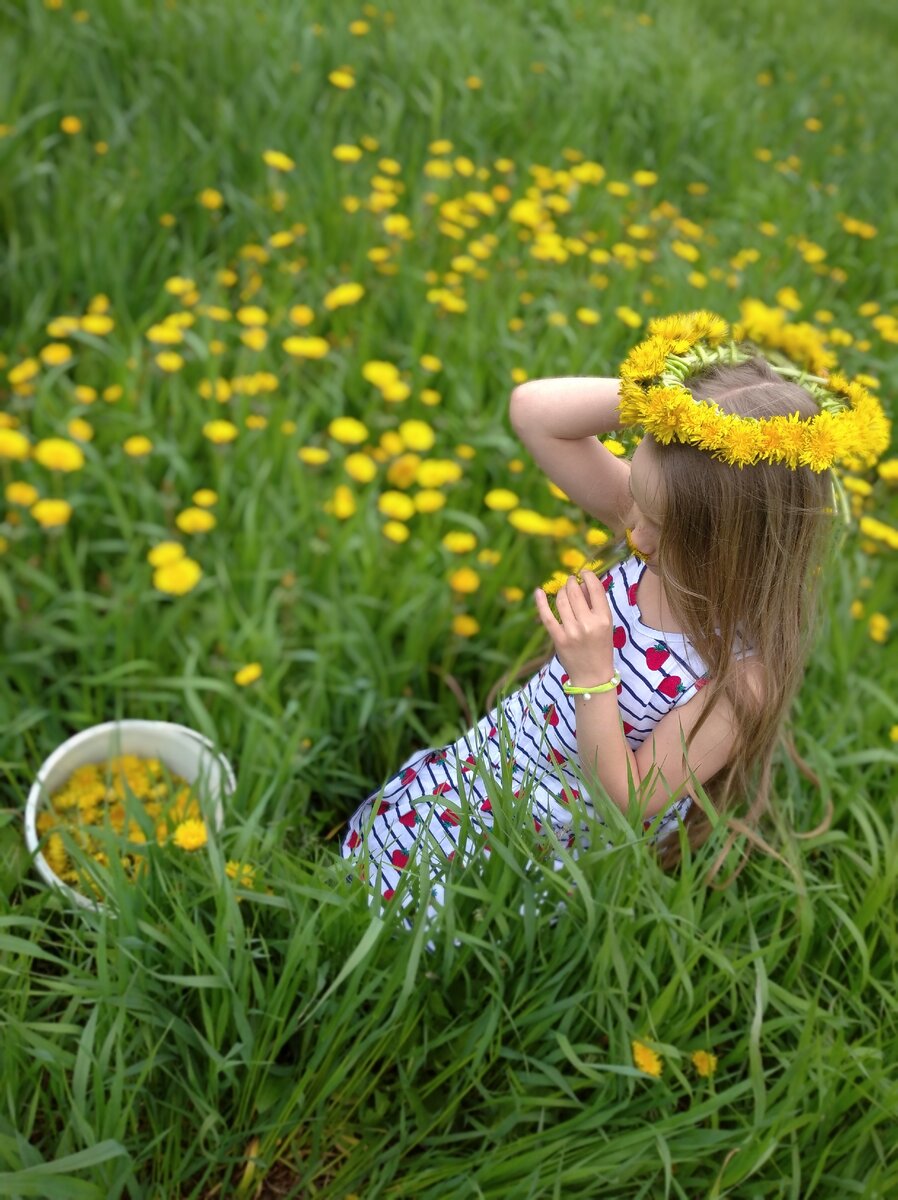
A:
x: 354, y: 840
x: 700, y: 683
x: 566, y: 795
x: 389, y: 894
x: 564, y: 679
x: 619, y: 637
x: 441, y: 789
x: 646, y: 824
x: 628, y: 728
x: 536, y: 825
x: 607, y: 582
x: 671, y: 686
x: 448, y: 817
x: 487, y: 805
x: 631, y: 593
x: 619, y: 688
x: 468, y: 763
x: 436, y: 756
x: 383, y: 808
x: 656, y: 655
x: 408, y: 775
x: 550, y: 714
x: 493, y: 732
x: 408, y: 819
x: 555, y: 756
x: 399, y: 859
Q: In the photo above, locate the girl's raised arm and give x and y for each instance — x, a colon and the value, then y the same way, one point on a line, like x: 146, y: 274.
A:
x: 557, y: 420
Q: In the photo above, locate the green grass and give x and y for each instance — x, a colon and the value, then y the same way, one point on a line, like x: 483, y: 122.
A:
x: 204, y: 1038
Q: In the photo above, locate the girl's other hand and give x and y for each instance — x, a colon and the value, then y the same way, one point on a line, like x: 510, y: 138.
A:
x: 582, y: 636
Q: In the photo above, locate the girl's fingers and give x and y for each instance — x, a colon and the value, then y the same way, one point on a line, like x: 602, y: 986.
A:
x: 563, y: 604
x: 545, y: 613
x: 573, y: 592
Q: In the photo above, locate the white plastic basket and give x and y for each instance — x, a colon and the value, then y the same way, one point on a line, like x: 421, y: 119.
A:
x: 184, y: 751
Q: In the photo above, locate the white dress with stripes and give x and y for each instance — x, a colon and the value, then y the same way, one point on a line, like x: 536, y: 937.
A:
x: 438, y: 803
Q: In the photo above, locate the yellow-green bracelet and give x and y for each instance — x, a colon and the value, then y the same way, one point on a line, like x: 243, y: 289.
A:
x: 588, y: 692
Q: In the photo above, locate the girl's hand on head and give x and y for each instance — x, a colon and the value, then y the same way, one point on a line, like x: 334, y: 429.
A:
x: 583, y: 634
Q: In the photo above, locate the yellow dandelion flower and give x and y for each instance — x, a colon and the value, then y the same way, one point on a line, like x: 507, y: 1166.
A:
x: 24, y: 371
x: 644, y: 178
x: 211, y: 198
x: 704, y: 1062
x: 205, y: 497
x: 301, y: 314
x: 19, y: 492
x: 464, y: 625
x: 429, y: 500
x: 396, y: 531
x: 51, y: 514
x: 56, y: 354
x: 396, y: 505
x: 347, y: 153
x: 306, y: 347
x: 191, y: 835
x: 169, y: 361
x: 437, y: 472
x: 220, y: 432
x: 459, y: 541
x: 58, y: 454
x: 248, y: 674
x: 379, y: 373
x: 646, y: 360
x: 430, y: 362
x: 278, y: 161
x: 242, y: 873
x: 628, y: 315
x: 195, y: 520
x: 178, y: 577
x: 14, y: 445
x: 98, y: 324
x: 80, y: 430
x: 164, y: 335
x: 666, y: 409
x: 348, y: 430
x: 646, y: 1059
x: 252, y: 314
x: 360, y: 467
x: 465, y: 580
x: 343, y: 295
x: 741, y: 442
x: 791, y: 437
x: 878, y: 626
x: 501, y: 499
x: 71, y: 125
x: 342, y: 78
x: 313, y: 455
x: 417, y: 435
x: 165, y: 553
x: 342, y: 504
x: 526, y: 520
x: 179, y: 285
x: 823, y: 443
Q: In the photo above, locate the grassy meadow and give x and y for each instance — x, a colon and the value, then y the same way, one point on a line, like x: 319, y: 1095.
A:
x: 268, y: 273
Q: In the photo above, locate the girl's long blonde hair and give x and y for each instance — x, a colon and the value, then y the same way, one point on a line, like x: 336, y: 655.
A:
x: 740, y: 553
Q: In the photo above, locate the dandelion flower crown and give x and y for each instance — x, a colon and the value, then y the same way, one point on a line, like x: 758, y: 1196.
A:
x: 851, y: 429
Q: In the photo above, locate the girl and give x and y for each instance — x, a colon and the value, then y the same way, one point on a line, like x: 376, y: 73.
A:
x: 678, y: 665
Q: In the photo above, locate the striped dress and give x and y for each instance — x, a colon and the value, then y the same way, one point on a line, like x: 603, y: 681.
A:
x: 439, y: 804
